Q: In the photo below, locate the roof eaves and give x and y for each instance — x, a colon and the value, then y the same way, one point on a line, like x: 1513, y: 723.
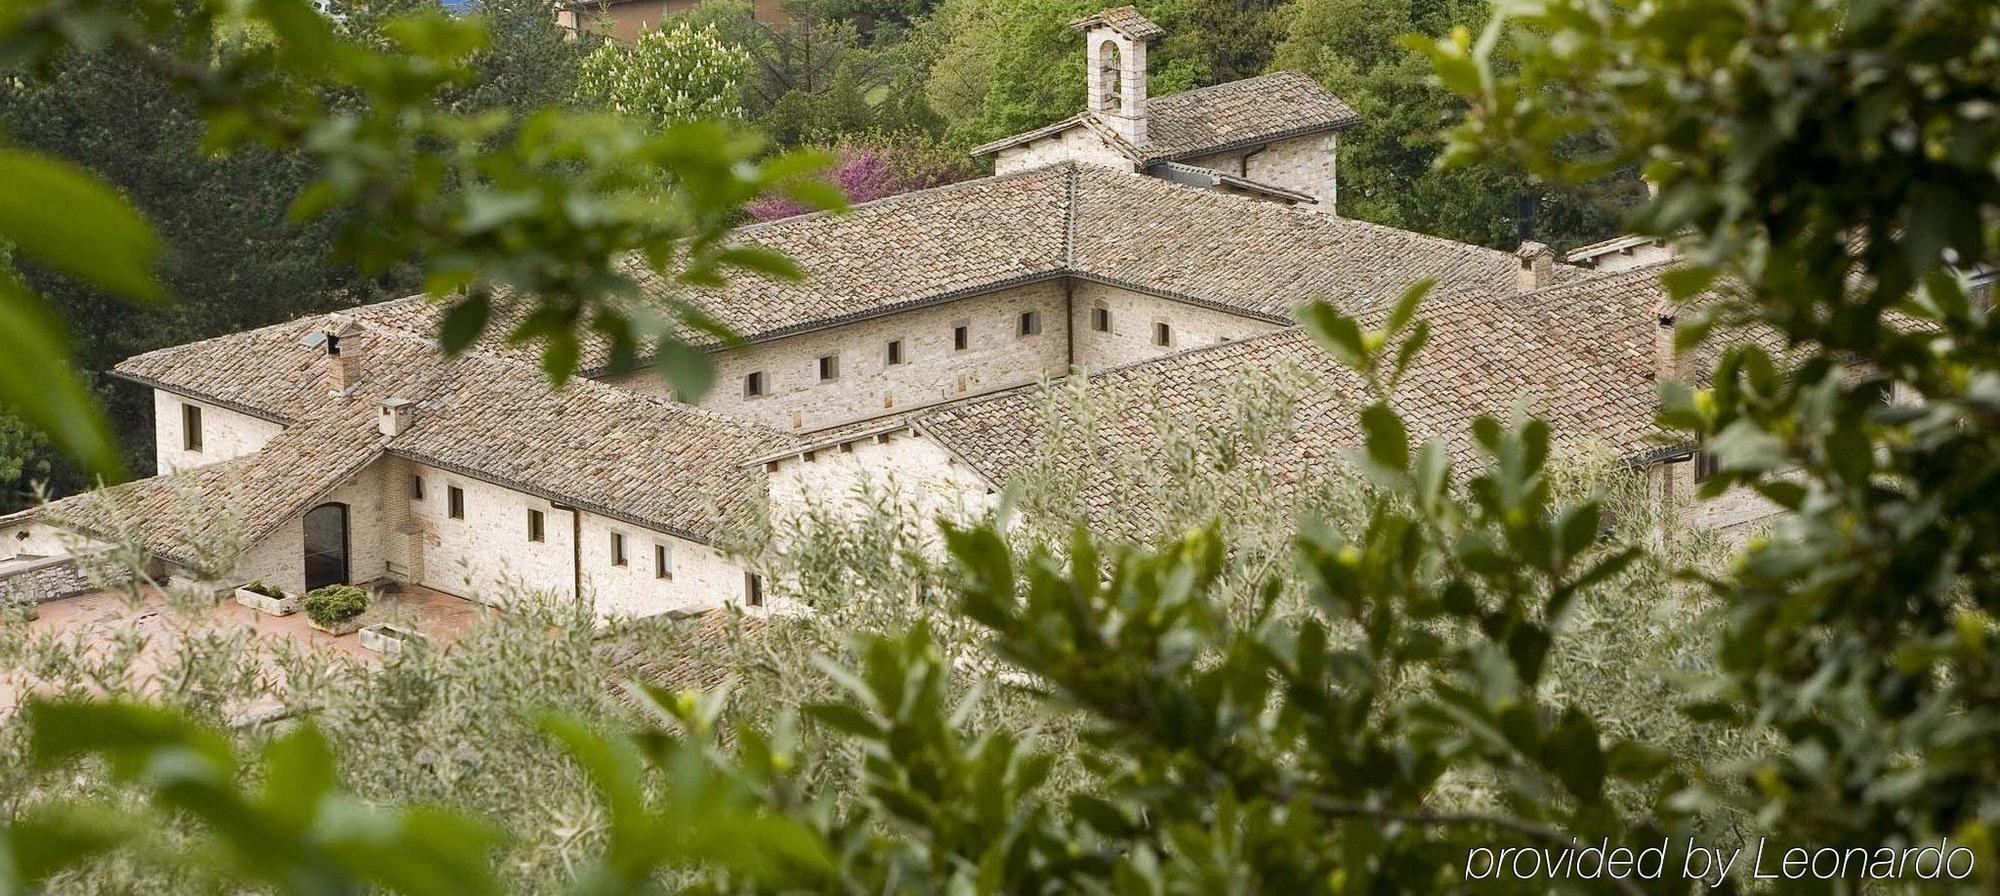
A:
x: 1046, y: 130
x: 1250, y: 141
x: 199, y: 395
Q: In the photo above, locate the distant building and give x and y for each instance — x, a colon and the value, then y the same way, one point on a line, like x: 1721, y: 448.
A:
x: 1155, y: 244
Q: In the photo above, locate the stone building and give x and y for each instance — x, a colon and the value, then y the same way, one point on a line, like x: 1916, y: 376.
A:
x: 1157, y: 244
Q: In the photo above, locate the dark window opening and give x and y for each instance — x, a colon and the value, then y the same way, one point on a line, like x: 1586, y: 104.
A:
x: 753, y: 589
x: 753, y: 384
x: 1706, y: 464
x: 663, y: 562
x: 961, y: 337
x: 618, y: 549
x: 416, y: 488
x: 829, y: 367
x: 191, y: 427
x: 1031, y: 323
x: 455, y: 502
x: 893, y: 353
x: 1100, y: 319
x: 1163, y: 334
x: 535, y: 529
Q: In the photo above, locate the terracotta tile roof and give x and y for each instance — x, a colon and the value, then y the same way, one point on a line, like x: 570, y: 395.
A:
x: 1240, y: 113
x: 647, y: 460
x: 1125, y: 20
x: 1254, y: 257
x: 1487, y: 352
x: 235, y: 501
x: 1208, y: 120
x: 1193, y: 244
x: 682, y: 654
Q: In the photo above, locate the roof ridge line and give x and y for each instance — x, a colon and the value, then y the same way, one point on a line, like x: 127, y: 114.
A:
x: 1069, y: 221
x: 1218, y: 86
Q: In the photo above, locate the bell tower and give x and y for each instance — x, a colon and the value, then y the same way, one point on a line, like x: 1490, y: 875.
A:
x: 1115, y: 50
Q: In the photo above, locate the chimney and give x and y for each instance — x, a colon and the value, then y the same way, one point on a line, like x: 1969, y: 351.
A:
x: 1537, y: 266
x: 393, y: 415
x: 1115, y: 50
x: 337, y: 338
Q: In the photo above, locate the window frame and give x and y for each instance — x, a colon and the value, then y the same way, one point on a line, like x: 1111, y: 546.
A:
x: 416, y: 486
x: 892, y: 354
x: 753, y: 589
x: 191, y: 428
x: 961, y: 336
x: 828, y: 367
x: 1163, y: 334
x: 618, y: 555
x: 538, y: 530
x: 663, y: 561
x: 756, y: 385
x: 1028, y: 324
x: 1100, y: 319
x: 454, y: 502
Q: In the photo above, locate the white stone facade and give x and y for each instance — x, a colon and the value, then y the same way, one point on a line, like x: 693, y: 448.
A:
x: 900, y: 468
x: 1308, y: 164
x: 1077, y: 144
x: 866, y: 386
x: 1134, y: 318
x: 488, y: 555
x: 224, y: 433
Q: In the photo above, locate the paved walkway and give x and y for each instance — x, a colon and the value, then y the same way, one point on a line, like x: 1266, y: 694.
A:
x: 102, y: 629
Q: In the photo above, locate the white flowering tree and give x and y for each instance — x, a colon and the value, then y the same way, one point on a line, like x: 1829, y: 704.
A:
x: 670, y: 75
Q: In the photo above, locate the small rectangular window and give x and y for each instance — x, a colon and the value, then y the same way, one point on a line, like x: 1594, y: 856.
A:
x: 753, y: 589
x: 961, y: 336
x: 753, y: 384
x: 191, y: 427
x: 617, y: 549
x: 1031, y: 323
x: 416, y: 488
x: 892, y: 354
x: 1100, y: 319
x: 535, y: 529
x: 663, y: 562
x: 455, y: 502
x: 1163, y: 334
x: 829, y: 367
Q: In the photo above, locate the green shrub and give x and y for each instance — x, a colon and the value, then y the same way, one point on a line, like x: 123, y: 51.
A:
x: 335, y: 604
x: 266, y: 589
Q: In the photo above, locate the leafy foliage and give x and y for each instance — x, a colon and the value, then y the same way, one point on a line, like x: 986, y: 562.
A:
x: 456, y: 195
x: 334, y: 604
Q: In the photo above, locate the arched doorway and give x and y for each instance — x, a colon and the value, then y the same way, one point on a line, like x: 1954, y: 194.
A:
x: 326, y: 546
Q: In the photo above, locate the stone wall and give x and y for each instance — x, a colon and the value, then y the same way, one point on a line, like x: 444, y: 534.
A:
x: 899, y: 468
x: 1079, y: 144
x: 487, y: 556
x: 39, y: 581
x: 1308, y: 164
x: 225, y: 433
x: 867, y: 386
x: 998, y: 357
x: 1133, y: 315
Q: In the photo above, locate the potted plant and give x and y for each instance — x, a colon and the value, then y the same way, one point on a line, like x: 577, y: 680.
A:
x: 391, y: 639
x: 335, y: 609
x: 267, y: 599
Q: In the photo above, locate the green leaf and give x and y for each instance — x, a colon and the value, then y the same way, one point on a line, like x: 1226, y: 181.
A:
x: 687, y: 369
x: 1335, y: 332
x: 463, y: 323
x: 1388, y: 443
x: 63, y: 217
x: 38, y: 385
x: 1406, y: 307
x: 1572, y: 752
